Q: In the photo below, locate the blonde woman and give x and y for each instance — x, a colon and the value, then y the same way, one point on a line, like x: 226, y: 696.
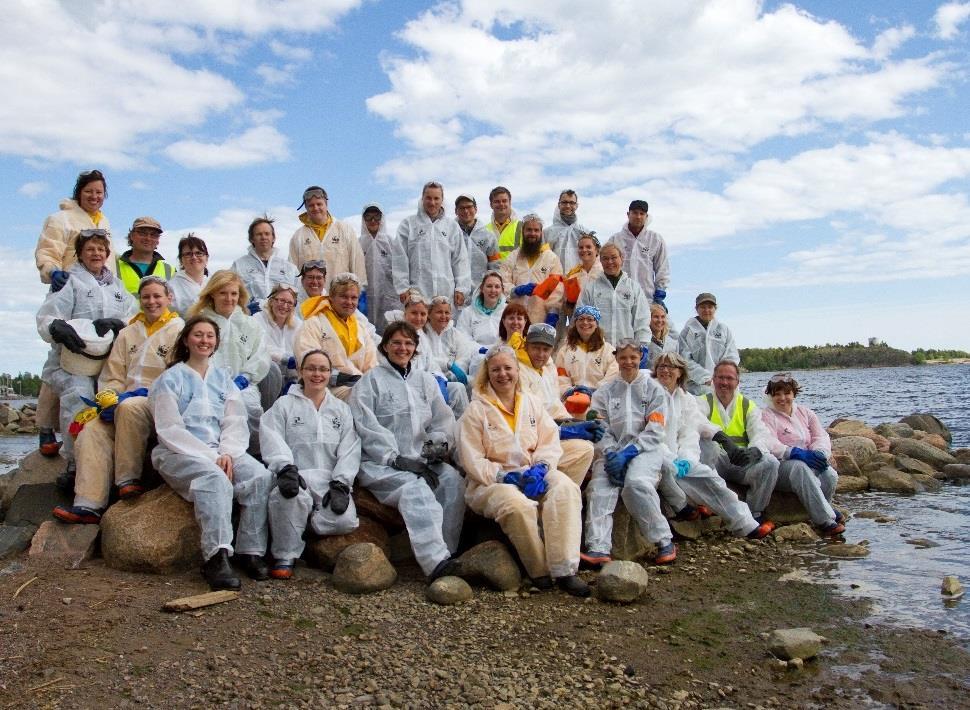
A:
x: 279, y: 328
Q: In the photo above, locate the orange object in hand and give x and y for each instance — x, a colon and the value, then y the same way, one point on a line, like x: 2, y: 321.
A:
x: 571, y: 289
x: 577, y: 403
x: 545, y: 288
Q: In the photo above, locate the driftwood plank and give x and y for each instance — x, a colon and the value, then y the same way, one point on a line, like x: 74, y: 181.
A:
x: 200, y: 600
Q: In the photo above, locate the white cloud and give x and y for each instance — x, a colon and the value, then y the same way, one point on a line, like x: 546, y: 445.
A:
x: 290, y: 53
x: 256, y: 145
x: 275, y: 76
x: 33, y: 189
x: 949, y: 17
x: 890, y: 40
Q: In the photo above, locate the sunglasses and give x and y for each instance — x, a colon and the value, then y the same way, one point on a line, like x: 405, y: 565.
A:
x: 86, y: 234
x: 782, y: 378
x: 311, y: 265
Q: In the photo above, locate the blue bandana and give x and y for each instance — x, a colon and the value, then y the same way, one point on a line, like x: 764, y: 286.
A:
x: 587, y: 311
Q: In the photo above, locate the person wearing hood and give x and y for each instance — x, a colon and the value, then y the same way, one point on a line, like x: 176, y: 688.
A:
x: 624, y: 307
x: 505, y: 224
x: 279, y: 326
x: 704, y: 341
x: 482, y: 319
x: 431, y: 253
x: 483, y: 254
x: 193, y: 273
x: 262, y: 267
x: 661, y: 340
x: 407, y: 437
x: 323, y: 238
x: 563, y: 234
x: 142, y: 259
x: 530, y: 266
x: 377, y: 245
x: 645, y: 252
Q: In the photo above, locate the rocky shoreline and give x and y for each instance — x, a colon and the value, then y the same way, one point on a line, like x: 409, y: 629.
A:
x: 18, y: 421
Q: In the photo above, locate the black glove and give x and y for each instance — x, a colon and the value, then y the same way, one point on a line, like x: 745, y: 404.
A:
x: 406, y: 463
x: 725, y: 441
x: 103, y: 325
x: 342, y: 379
x: 338, y: 497
x: 433, y: 452
x: 753, y: 455
x: 430, y: 477
x: 289, y: 481
x: 62, y: 332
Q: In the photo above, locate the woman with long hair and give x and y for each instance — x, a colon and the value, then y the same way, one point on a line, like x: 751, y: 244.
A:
x: 584, y: 360
x: 192, y: 275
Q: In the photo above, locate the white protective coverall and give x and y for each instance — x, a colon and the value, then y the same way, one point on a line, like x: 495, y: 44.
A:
x: 431, y: 255
x: 489, y: 448
x: 479, y: 325
x: 760, y: 477
x: 483, y: 253
x: 516, y: 271
x: 317, y: 333
x: 83, y: 296
x: 279, y: 341
x: 186, y: 291
x: 115, y: 451
x: 625, y: 309
x: 563, y: 239
x: 577, y: 454
x: 378, y: 258
x: 701, y: 484
x: 442, y: 349
x: 575, y: 365
x: 339, y: 249
x: 198, y: 420
x: 324, y: 445
x: 703, y: 348
x: 634, y: 413
x: 260, y: 278
x: 55, y: 246
x: 669, y: 345
x: 395, y: 416
x: 644, y: 258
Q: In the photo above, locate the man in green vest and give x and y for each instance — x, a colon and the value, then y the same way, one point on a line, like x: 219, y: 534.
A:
x: 735, y: 443
x: 505, y: 224
x: 141, y: 259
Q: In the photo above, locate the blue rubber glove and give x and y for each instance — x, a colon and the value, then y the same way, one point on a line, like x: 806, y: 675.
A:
x: 539, y: 470
x: 291, y: 363
x: 443, y: 386
x: 644, y: 357
x: 58, y: 280
x: 617, y: 461
x: 615, y: 468
x: 482, y: 351
x: 587, y: 431
x: 819, y: 461
x: 524, y: 290
x: 362, y: 302
x: 659, y: 295
x: 683, y: 467
x: 803, y: 455
x: 253, y: 307
x: 458, y: 373
x: 533, y: 486
x: 552, y: 319
x: 242, y: 382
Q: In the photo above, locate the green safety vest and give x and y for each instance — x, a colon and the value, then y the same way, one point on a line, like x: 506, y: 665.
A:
x: 509, y: 238
x: 735, y: 429
x: 130, y: 275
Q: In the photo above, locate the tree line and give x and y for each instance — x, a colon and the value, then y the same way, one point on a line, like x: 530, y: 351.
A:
x: 805, y: 357
x: 25, y: 384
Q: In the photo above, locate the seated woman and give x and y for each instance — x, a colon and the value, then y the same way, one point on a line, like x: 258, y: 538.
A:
x: 804, y: 449
x: 450, y: 352
x: 342, y: 332
x: 241, y: 348
x: 514, y: 325
x: 111, y: 447
x: 192, y: 275
x: 279, y: 331
x: 509, y: 448
x: 661, y: 341
x: 200, y: 420
x: 92, y: 297
x: 584, y: 361
x: 620, y: 300
x: 480, y: 321
x: 407, y: 436
x: 312, y: 291
x: 307, y: 438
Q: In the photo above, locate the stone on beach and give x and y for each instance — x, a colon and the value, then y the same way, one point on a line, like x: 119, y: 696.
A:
x: 800, y: 532
x: 844, y: 551
x: 895, y: 430
x: 930, y: 424
x: 33, y: 468
x: 492, y: 562
x: 363, y: 568
x: 956, y: 471
x: 851, y: 484
x: 861, y: 449
x: 323, y: 552
x: 921, y: 451
x: 449, y: 590
x: 951, y: 586
x: 910, y: 465
x: 891, y: 480
x: 788, y: 644
x: 621, y: 581
x: 60, y: 544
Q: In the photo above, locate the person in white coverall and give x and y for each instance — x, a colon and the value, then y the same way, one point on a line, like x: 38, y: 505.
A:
x: 483, y: 253
x: 193, y: 274
x: 431, y: 253
x: 263, y: 266
x: 625, y: 309
x: 241, y: 349
x: 279, y: 336
x: 378, y: 247
x: 644, y: 252
x: 307, y: 438
x: 705, y: 341
x: 407, y: 437
x: 481, y: 319
x: 563, y: 234
x: 661, y: 339
x: 510, y: 451
x: 200, y: 420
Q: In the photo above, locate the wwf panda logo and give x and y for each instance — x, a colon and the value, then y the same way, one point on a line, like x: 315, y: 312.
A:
x: 222, y: 397
x: 118, y: 296
x: 297, y: 421
x: 162, y: 351
x: 132, y: 349
x: 243, y: 338
x: 336, y: 422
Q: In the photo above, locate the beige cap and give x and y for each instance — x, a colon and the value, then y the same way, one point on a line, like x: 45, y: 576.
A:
x: 143, y: 222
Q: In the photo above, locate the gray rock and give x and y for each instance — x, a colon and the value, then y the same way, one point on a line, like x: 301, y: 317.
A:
x: 60, y: 544
x: 861, y: 449
x: 492, y: 562
x: 628, y: 542
x: 889, y: 479
x: 844, y: 551
x: 693, y: 529
x: 449, y: 590
x: 922, y: 542
x: 33, y: 502
x: 14, y: 539
x: 851, y: 484
x: 951, y: 586
x: 788, y: 644
x: 926, y: 483
x: 621, y: 581
x: 956, y: 471
x: 800, y: 532
x: 930, y: 424
x: 785, y: 509
x: 323, y: 552
x: 845, y: 464
x: 155, y: 532
x: 892, y: 430
x: 908, y: 464
x: 363, y: 568
x: 961, y: 455
x: 922, y: 451
x: 33, y: 468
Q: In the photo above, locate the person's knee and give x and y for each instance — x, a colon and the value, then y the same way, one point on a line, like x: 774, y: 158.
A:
x: 213, y: 481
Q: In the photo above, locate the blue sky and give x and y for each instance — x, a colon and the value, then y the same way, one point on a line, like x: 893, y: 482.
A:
x: 807, y: 162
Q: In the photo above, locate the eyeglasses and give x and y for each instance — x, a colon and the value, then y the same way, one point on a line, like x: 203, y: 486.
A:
x: 372, y: 218
x: 568, y: 202
x: 147, y: 233
x: 667, y: 367
x: 286, y: 303
x: 313, y: 370
x: 192, y: 255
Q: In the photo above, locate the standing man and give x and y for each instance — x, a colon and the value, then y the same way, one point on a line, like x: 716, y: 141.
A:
x: 430, y: 254
x: 529, y: 266
x: 141, y: 259
x: 262, y: 266
x: 504, y: 225
x: 564, y: 232
x: 482, y: 244
x: 322, y: 238
x: 377, y: 245
x: 644, y: 252
x: 736, y: 443
x: 705, y: 342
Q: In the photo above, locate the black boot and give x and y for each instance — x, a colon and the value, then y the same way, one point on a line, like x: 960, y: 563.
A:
x: 446, y: 568
x: 254, y: 566
x: 65, y: 481
x: 218, y: 572
x: 574, y: 585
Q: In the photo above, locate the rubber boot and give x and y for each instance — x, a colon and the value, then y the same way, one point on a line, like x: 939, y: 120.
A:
x: 218, y: 572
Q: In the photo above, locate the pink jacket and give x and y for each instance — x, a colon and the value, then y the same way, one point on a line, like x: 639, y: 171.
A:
x: 801, y: 429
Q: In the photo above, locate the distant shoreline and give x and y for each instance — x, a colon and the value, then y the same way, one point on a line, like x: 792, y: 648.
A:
x: 951, y: 361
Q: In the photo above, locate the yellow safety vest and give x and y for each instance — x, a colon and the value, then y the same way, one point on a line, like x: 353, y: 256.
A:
x: 130, y: 276
x: 736, y: 429
x: 509, y: 238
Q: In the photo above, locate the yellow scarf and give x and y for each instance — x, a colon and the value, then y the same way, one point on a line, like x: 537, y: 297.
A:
x: 96, y: 217
x: 346, y: 331
x: 152, y: 328
x: 319, y: 229
x: 313, y: 305
x: 510, y: 417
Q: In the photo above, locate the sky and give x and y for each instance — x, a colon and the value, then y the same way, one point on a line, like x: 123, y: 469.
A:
x: 808, y: 163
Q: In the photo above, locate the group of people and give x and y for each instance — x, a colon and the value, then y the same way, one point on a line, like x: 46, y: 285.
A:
x: 508, y: 367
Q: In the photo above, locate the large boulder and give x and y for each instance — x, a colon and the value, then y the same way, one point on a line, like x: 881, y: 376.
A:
x: 860, y: 448
x: 933, y: 440
x: 323, y: 552
x: 800, y: 532
x: 845, y: 464
x: 363, y: 568
x: 785, y: 509
x: 891, y: 480
x: 621, y: 581
x: 961, y: 455
x: 33, y: 468
x: 492, y: 562
x: 14, y: 539
x: 921, y: 451
x: 930, y: 424
x: 33, y: 502
x: 155, y: 532
x: 910, y: 465
x: 926, y: 483
x: 628, y: 542
x: 788, y: 644
x: 8, y: 415
x: 893, y: 430
x: 369, y: 507
x: 956, y: 471
x: 851, y: 427
x: 852, y: 484
x: 63, y: 545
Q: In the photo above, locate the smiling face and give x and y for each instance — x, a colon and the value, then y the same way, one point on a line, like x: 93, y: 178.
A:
x: 667, y: 375
x: 783, y: 399
x: 94, y: 255
x: 154, y: 300
x: 316, y: 210
x: 588, y: 251
x: 705, y: 312
x: 315, y: 371
x: 532, y: 233
x: 539, y: 354
x: 568, y: 205
x: 431, y: 200
x: 440, y: 316
x: 628, y: 360
x: 658, y: 319
x: 725, y: 383
x: 400, y: 349
x: 225, y: 300
x: 466, y: 212
x: 514, y: 323
x: 586, y: 326
x: 503, y: 373
x: 201, y: 341
x: 636, y: 220
x: 282, y: 304
x: 501, y: 206
x: 313, y: 282
x: 491, y: 290
x: 193, y: 260
x: 416, y: 314
x: 611, y: 260
x: 144, y: 240
x: 91, y: 198
x: 263, y: 238
x: 344, y: 301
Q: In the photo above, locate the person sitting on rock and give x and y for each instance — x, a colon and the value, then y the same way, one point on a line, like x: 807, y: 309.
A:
x: 509, y: 448
x: 584, y: 361
x: 200, y: 420
x: 407, y: 436
x: 307, y: 438
x: 801, y: 444
x: 704, y: 341
x: 735, y: 442
x: 111, y: 447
